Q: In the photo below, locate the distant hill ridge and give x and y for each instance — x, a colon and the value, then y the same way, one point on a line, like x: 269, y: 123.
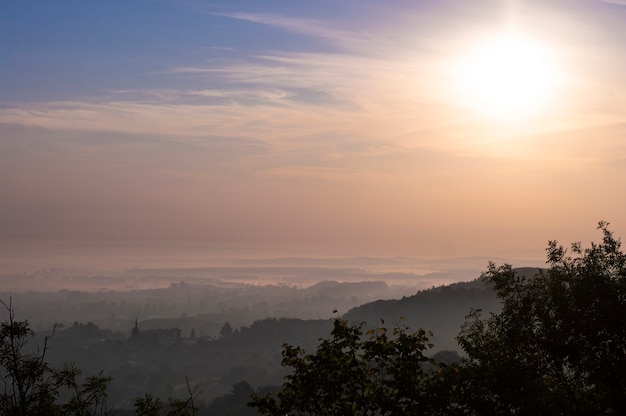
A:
x: 441, y: 309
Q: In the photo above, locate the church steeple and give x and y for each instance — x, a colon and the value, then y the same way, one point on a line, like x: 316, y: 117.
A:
x: 135, y: 332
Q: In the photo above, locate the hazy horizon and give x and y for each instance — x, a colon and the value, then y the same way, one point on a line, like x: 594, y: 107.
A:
x: 92, y: 258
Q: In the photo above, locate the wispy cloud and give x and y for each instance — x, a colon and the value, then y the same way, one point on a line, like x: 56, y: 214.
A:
x: 398, y: 97
x: 304, y: 26
x: 618, y: 2
x: 290, y: 100
x: 280, y: 99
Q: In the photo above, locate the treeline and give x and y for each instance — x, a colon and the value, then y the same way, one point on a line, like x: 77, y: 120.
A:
x: 217, y: 302
x: 557, y: 347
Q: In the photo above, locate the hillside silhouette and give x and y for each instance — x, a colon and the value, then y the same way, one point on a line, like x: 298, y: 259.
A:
x: 440, y: 309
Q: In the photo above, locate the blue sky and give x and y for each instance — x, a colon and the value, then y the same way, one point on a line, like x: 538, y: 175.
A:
x: 326, y: 127
x: 57, y: 50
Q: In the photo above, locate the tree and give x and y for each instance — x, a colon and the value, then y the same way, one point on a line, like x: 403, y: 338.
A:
x: 558, y: 346
x: 148, y: 405
x: 32, y: 387
x: 356, y: 372
x: 226, y: 331
x: 235, y: 403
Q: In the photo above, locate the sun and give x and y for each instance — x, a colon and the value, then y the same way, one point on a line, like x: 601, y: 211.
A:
x: 506, y: 77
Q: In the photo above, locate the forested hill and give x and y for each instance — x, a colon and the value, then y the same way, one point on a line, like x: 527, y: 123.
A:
x: 441, y: 309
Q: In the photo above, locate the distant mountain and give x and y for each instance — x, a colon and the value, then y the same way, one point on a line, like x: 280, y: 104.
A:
x: 441, y: 309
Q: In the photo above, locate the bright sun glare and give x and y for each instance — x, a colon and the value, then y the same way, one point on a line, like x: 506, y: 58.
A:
x: 507, y: 77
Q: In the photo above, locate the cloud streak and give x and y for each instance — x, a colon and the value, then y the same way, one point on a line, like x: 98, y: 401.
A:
x: 283, y: 98
x: 617, y: 2
x: 303, y: 26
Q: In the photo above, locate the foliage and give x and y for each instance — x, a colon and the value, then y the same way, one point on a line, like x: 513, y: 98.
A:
x: 32, y: 387
x: 356, y: 372
x: 226, y: 331
x: 148, y: 405
x: 559, y: 344
x: 557, y: 347
x: 235, y: 403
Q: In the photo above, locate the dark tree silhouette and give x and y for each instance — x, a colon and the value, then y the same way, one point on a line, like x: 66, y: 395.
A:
x: 356, y: 372
x: 32, y: 387
x: 559, y: 344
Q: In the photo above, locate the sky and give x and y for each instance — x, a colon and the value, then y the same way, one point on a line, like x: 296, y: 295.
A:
x: 313, y: 128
